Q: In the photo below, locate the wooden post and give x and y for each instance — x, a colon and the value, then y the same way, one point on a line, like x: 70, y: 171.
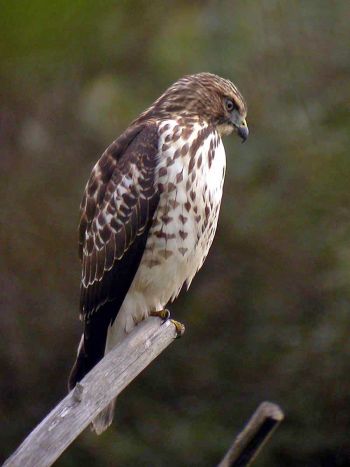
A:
x: 104, y: 382
x: 248, y: 443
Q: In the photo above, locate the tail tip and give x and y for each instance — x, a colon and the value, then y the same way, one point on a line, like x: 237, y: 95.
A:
x: 104, y: 419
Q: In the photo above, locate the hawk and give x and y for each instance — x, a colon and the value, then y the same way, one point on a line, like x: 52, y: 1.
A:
x: 150, y: 211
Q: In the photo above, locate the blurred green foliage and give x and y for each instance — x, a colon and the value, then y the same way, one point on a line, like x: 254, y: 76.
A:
x: 268, y: 316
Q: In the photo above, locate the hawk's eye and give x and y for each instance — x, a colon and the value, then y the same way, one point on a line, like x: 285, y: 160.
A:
x: 230, y: 105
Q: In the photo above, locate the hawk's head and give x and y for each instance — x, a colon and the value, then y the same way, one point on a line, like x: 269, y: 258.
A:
x: 205, y: 96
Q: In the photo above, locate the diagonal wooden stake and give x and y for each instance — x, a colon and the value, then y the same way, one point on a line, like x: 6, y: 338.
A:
x: 102, y: 384
x: 257, y: 431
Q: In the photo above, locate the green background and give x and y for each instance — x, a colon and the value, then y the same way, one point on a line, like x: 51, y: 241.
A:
x: 267, y: 318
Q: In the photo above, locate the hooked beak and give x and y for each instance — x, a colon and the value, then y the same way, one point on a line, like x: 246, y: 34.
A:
x: 243, y: 130
x: 240, y: 125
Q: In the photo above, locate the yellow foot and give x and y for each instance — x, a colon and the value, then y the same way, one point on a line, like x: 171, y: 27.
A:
x: 163, y: 314
x: 180, y: 328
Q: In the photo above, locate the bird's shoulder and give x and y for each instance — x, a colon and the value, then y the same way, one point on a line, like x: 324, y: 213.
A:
x: 124, y: 171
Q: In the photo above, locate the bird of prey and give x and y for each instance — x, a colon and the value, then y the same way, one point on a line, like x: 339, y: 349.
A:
x: 150, y: 211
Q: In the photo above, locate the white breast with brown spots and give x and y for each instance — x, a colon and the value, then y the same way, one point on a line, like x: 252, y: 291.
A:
x: 190, y: 178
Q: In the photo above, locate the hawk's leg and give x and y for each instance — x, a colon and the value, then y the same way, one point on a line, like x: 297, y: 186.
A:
x: 165, y: 315
x: 162, y: 314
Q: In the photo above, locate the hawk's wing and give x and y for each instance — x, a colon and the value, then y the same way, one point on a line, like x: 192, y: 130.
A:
x: 116, y: 214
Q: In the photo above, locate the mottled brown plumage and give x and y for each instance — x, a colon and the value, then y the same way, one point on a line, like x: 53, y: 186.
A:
x: 196, y: 96
x: 150, y: 210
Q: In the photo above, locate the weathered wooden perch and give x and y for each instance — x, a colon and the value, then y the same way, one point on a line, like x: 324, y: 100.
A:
x: 104, y: 382
x: 248, y: 443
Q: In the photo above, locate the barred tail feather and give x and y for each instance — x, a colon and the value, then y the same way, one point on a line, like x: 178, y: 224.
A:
x: 115, y: 334
x: 79, y: 370
x: 91, y: 350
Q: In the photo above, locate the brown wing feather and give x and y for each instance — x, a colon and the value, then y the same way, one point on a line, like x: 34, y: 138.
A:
x: 118, y: 204
x: 117, y: 209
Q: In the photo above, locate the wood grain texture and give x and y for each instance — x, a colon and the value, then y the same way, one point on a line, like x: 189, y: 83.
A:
x: 104, y: 382
x: 258, y: 429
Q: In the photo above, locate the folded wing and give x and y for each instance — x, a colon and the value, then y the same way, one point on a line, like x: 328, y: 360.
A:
x: 117, y: 210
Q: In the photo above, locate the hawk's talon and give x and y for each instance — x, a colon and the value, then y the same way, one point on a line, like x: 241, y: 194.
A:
x: 162, y: 314
x: 165, y: 315
x: 180, y: 328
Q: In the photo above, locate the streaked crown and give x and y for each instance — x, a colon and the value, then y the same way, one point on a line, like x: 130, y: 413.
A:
x: 201, y: 96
